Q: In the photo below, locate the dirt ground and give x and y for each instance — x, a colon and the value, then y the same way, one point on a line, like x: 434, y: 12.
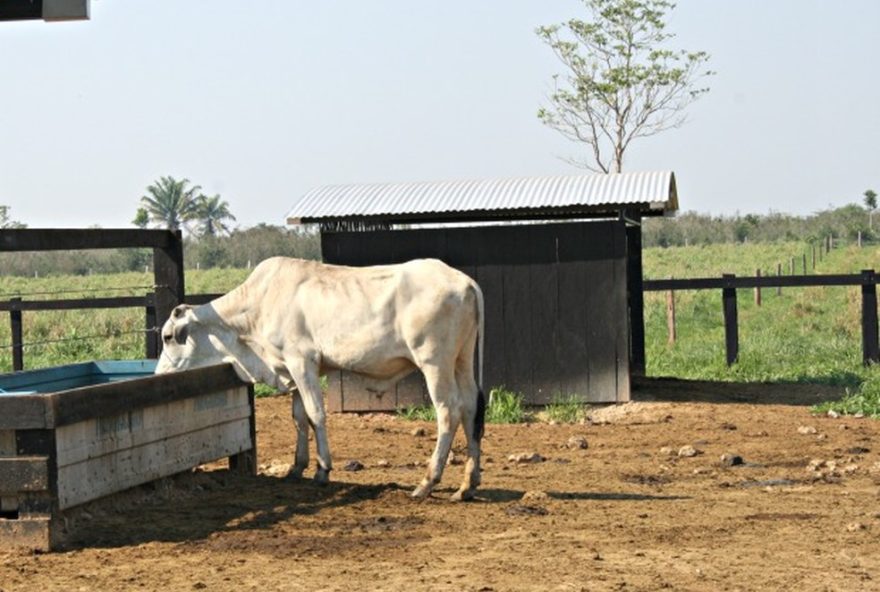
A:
x: 626, y: 513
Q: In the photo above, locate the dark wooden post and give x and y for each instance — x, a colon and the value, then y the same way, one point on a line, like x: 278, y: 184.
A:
x: 731, y: 330
x: 151, y: 337
x: 17, y: 334
x: 870, y: 343
x: 168, y: 275
x: 636, y: 295
x: 813, y: 248
x: 804, y: 262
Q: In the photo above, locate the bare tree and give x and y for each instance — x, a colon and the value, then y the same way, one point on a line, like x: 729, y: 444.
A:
x: 621, y: 83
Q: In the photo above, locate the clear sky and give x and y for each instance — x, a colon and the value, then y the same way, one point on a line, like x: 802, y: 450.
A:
x: 262, y: 101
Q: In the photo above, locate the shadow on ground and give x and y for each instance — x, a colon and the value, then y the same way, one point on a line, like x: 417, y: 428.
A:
x: 708, y: 391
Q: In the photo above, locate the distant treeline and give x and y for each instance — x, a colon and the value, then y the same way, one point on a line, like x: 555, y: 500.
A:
x: 242, y: 248
x: 239, y: 249
x: 690, y: 228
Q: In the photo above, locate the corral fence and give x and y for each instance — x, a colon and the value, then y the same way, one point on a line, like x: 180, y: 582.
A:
x: 730, y: 283
x: 166, y: 293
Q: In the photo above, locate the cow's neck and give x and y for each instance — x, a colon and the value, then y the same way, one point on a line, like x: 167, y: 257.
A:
x: 233, y: 311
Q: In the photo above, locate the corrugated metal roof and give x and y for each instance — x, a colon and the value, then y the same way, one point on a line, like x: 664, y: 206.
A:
x: 651, y: 192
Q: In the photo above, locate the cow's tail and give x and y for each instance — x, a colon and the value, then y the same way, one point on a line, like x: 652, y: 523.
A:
x: 480, y: 417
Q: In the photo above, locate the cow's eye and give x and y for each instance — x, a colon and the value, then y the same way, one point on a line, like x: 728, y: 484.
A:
x: 167, y: 337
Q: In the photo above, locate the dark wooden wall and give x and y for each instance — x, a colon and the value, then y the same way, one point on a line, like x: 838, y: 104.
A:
x: 556, y: 303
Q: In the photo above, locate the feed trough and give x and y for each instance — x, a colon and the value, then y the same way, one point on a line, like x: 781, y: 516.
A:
x: 72, y: 434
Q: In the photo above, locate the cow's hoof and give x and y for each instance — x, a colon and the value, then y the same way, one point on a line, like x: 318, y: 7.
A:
x: 421, y: 492
x: 294, y: 474
x: 462, y: 495
x: 322, y: 477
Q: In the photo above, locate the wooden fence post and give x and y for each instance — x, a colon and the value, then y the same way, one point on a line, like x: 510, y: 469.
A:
x: 757, y: 289
x: 670, y: 316
x: 813, y: 248
x: 16, y: 326
x: 731, y: 330
x: 870, y: 342
x: 804, y: 262
x: 791, y: 266
x: 151, y: 337
x: 168, y: 276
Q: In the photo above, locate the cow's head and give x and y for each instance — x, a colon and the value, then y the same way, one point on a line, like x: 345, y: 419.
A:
x: 189, y: 341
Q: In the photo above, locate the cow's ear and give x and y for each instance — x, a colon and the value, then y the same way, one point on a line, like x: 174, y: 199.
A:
x: 179, y: 311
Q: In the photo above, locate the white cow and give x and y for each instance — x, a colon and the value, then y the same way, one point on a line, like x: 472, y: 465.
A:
x: 293, y: 320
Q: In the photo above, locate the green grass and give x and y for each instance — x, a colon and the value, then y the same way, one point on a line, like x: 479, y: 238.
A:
x: 803, y: 335
x: 505, y: 407
x: 417, y: 413
x: 565, y: 408
x: 863, y: 400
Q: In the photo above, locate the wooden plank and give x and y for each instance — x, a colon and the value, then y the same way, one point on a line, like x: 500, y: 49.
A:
x: 635, y: 294
x: 114, y: 398
x: 54, y: 239
x: 74, y: 303
x: 731, y: 325
x: 20, y: 10
x: 797, y: 281
x: 870, y: 338
x: 16, y: 330
x: 7, y: 443
x: 24, y: 473
x: 516, y: 309
x: 97, y: 477
x: 168, y: 276
x: 26, y: 534
x: 620, y: 301
x: 573, y: 362
x: 24, y: 412
x: 598, y: 300
x: 413, y: 392
x: 543, y: 270
x: 333, y: 393
x: 362, y: 394
x: 105, y: 435
x: 490, y: 278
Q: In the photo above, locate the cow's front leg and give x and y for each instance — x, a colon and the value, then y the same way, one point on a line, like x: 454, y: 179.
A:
x: 301, y: 458
x: 305, y: 374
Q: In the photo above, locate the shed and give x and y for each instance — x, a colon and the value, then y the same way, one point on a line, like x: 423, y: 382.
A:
x: 558, y: 259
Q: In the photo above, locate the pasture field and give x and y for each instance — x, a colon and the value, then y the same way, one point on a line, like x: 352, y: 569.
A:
x: 625, y: 513
x: 804, y: 335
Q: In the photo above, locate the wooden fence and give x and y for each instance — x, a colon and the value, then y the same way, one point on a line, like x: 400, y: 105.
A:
x: 167, y: 293
x: 729, y: 283
x: 152, y: 322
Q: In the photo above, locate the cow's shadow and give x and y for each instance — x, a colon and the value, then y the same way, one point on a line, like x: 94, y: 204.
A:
x: 196, y: 507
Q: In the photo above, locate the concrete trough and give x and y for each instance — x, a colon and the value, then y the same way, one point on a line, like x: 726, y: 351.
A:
x: 73, y: 434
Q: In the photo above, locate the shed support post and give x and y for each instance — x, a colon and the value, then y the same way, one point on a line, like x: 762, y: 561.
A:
x: 168, y: 275
x: 635, y: 293
x: 16, y: 326
x: 870, y: 343
x: 731, y: 329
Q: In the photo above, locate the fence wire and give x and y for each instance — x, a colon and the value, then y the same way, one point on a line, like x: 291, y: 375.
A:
x: 80, y: 291
x: 81, y: 338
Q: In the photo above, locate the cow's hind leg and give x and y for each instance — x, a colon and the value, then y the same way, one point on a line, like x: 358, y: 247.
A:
x: 301, y: 458
x: 473, y: 409
x: 444, y: 394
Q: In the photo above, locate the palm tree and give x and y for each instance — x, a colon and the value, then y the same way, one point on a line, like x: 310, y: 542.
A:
x: 211, y: 213
x: 170, y: 202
